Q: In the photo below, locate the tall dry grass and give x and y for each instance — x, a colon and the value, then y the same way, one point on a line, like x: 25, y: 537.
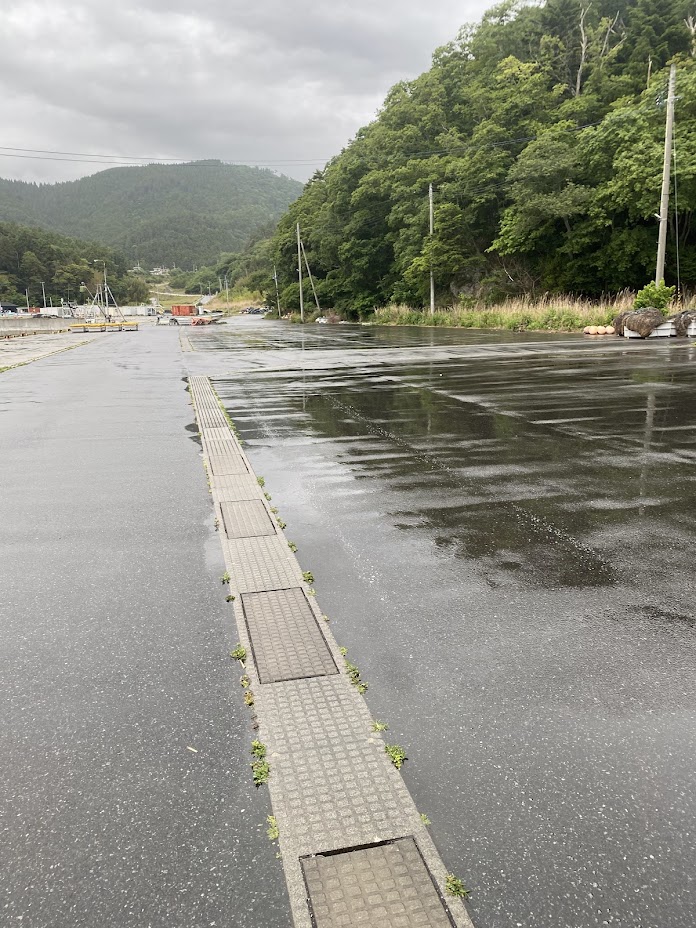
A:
x: 549, y: 313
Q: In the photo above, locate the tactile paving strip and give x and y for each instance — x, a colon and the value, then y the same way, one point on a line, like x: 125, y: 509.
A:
x: 247, y: 519
x: 236, y: 487
x: 219, y: 434
x: 226, y: 464
x: 207, y: 408
x: 285, y: 637
x: 220, y: 447
x: 331, y: 778
x: 259, y: 564
x: 387, y: 885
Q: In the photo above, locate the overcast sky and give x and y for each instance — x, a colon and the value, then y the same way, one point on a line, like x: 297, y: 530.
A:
x: 283, y: 82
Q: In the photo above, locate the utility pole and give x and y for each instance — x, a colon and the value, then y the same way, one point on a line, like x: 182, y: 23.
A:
x: 299, y: 271
x: 664, y: 199
x: 43, y: 290
x: 432, y: 233
x: 227, y: 292
x: 275, y: 278
x: 26, y: 293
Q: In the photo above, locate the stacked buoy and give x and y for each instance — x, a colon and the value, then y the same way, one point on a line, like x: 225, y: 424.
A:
x: 599, y: 330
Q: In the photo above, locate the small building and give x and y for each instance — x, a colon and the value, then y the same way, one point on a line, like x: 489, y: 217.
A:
x: 8, y: 308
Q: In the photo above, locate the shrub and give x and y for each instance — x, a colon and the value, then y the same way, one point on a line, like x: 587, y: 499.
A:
x: 655, y: 296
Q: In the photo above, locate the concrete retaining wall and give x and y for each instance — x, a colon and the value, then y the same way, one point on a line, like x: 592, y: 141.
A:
x: 12, y: 326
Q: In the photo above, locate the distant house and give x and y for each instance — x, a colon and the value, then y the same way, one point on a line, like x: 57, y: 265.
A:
x: 8, y: 308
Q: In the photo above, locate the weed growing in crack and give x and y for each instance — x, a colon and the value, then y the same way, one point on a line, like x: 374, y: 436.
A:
x: 343, y: 651
x: 455, y: 887
x: 258, y: 749
x: 292, y: 546
x: 245, y: 682
x: 230, y: 598
x: 239, y: 653
x: 261, y: 771
x: 249, y: 698
x: 268, y: 497
x: 379, y: 726
x: 308, y: 576
x: 354, y: 677
x: 397, y: 755
x: 261, y: 482
x: 326, y: 618
x: 424, y: 818
x: 216, y: 523
x: 225, y: 578
x: 274, y: 510
x: 272, y: 831
x: 281, y: 524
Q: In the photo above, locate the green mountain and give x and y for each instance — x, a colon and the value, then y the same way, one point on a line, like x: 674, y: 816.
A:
x: 67, y: 268
x: 182, y: 214
x: 541, y: 129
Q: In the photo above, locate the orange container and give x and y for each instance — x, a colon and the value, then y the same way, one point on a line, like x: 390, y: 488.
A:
x: 183, y: 310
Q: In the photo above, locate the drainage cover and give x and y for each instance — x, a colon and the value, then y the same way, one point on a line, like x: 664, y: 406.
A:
x: 231, y: 463
x: 385, y: 885
x: 247, y: 519
x: 285, y: 637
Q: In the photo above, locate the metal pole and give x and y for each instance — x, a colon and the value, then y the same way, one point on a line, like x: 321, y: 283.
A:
x: 227, y: 292
x: 299, y: 271
x: 26, y: 292
x: 43, y: 290
x: 664, y: 199
x: 275, y: 278
x: 432, y: 233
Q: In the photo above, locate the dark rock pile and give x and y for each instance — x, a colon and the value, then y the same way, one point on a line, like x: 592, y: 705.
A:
x: 642, y: 321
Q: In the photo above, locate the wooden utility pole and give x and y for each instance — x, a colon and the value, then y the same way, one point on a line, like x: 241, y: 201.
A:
x: 299, y: 271
x: 664, y: 199
x: 432, y: 233
x: 275, y: 278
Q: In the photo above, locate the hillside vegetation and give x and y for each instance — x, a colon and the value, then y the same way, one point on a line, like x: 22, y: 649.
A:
x: 185, y: 214
x: 541, y: 129
x: 30, y: 256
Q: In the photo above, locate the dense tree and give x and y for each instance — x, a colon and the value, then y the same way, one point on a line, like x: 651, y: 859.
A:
x: 541, y: 129
x: 32, y: 257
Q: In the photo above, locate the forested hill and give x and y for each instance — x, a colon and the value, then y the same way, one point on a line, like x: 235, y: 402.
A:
x: 542, y: 131
x: 182, y: 214
x: 67, y: 268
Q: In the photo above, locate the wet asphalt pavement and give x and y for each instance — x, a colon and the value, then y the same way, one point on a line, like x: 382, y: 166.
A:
x: 114, y: 659
x: 501, y: 529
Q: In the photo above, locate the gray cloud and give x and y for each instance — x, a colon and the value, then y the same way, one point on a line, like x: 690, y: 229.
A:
x: 283, y: 83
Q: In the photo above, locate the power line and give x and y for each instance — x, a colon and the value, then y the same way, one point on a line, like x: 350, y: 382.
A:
x: 38, y: 154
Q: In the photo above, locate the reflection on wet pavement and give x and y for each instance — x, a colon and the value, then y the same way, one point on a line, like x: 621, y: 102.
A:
x: 502, y: 531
